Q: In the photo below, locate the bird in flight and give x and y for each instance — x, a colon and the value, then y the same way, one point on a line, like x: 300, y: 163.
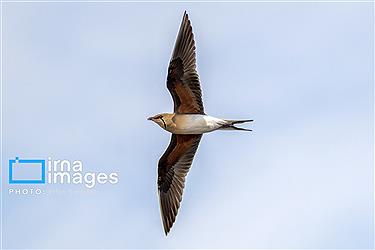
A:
x: 187, y: 123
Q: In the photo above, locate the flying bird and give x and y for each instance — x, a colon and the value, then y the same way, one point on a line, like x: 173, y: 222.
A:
x: 187, y: 123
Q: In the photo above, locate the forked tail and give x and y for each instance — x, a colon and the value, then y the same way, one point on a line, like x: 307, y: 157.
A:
x: 230, y: 125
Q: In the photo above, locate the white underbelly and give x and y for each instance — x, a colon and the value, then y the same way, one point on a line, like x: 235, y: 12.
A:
x: 195, y: 124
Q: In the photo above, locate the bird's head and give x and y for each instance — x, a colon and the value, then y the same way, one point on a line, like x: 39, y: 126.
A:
x: 160, y: 119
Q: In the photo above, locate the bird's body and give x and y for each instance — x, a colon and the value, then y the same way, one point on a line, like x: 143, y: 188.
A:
x: 195, y: 124
x: 187, y: 124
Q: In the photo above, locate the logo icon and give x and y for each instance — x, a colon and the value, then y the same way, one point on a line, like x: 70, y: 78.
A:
x: 27, y: 171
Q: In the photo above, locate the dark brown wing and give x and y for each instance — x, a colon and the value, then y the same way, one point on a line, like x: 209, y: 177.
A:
x: 173, y: 167
x: 183, y: 80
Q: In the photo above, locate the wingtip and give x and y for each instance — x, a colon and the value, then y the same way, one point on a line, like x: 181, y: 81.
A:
x: 166, y: 229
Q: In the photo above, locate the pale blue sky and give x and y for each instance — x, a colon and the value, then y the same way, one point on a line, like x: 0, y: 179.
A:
x: 80, y: 79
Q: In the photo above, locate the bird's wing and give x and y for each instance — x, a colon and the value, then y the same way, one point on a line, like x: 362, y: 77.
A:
x: 173, y: 167
x: 183, y: 80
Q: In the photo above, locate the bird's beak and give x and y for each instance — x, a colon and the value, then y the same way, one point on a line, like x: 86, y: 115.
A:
x: 150, y: 118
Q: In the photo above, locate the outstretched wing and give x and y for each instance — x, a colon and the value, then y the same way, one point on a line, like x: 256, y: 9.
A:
x: 172, y: 170
x: 183, y: 80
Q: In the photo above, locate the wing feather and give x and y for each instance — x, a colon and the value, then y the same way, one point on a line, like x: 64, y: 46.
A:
x: 183, y: 80
x: 172, y: 169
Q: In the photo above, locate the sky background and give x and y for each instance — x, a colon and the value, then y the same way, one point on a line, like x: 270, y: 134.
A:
x: 80, y: 79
